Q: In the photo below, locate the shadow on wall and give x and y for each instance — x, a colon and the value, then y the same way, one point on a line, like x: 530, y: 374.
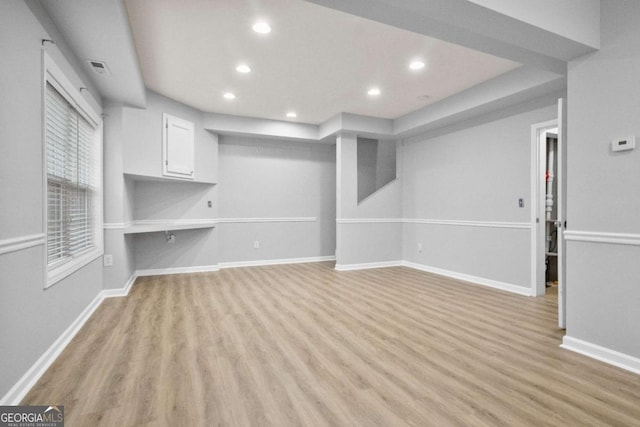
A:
x: 376, y: 165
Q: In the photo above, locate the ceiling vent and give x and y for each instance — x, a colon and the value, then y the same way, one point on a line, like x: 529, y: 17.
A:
x: 99, y: 67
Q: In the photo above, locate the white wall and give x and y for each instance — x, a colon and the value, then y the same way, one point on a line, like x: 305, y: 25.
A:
x: 369, y: 232
x: 116, y: 207
x: 603, y: 292
x: 268, y: 178
x: 142, y: 193
x: 175, y: 200
x: 31, y: 318
x: 143, y: 138
x: 577, y: 20
x: 376, y: 165
x: 472, y: 175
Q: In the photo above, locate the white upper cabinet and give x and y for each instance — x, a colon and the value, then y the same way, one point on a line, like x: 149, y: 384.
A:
x: 177, y: 147
x: 164, y: 141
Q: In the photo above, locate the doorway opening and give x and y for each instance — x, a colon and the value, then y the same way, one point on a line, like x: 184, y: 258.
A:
x: 547, y: 211
x: 552, y: 225
x: 548, y: 189
x: 544, y: 209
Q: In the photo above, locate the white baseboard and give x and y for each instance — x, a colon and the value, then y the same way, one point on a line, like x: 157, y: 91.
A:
x: 31, y: 377
x: 234, y: 264
x: 177, y: 270
x: 237, y: 264
x: 368, y: 265
x: 603, y: 354
x: 469, y: 278
x: 122, y: 292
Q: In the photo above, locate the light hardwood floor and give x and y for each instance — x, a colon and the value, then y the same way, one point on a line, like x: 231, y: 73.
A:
x: 304, y: 345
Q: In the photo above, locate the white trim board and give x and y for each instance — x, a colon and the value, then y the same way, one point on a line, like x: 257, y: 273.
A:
x: 238, y: 264
x: 176, y: 222
x: 368, y: 265
x: 461, y: 223
x: 520, y: 290
x: 602, y: 354
x: 159, y: 222
x: 154, y: 226
x: 116, y: 225
x: 176, y: 270
x: 465, y: 223
x: 122, y: 292
x: 234, y: 264
x: 602, y: 237
x: 369, y: 220
x: 31, y: 377
x: 19, y: 243
x: 261, y: 220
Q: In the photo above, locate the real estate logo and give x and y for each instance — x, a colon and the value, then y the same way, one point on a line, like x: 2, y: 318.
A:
x: 31, y: 416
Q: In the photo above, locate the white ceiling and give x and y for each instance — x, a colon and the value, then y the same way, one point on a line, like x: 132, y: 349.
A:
x: 316, y: 61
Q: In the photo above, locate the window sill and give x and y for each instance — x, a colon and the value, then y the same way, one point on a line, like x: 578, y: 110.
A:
x: 68, y: 268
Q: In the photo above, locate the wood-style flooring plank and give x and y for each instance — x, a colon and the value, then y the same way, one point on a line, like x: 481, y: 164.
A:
x: 305, y: 345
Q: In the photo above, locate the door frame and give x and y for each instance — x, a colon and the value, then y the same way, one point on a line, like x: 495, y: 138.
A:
x: 538, y: 131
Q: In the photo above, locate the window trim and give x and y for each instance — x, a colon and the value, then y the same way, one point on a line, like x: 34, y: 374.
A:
x: 55, y: 76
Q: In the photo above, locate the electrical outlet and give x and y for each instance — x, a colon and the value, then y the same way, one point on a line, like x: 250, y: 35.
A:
x: 419, y: 247
x: 521, y: 203
x: 256, y: 244
x: 210, y: 204
x: 108, y: 260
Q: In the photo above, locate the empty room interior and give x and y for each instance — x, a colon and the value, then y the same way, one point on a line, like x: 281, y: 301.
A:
x: 320, y: 212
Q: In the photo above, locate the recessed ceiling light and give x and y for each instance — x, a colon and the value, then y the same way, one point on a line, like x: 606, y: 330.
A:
x: 243, y: 68
x: 374, y: 91
x: 292, y: 114
x: 261, y: 27
x: 229, y: 95
x: 416, y: 65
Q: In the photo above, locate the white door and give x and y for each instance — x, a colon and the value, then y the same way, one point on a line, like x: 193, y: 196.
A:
x: 562, y: 216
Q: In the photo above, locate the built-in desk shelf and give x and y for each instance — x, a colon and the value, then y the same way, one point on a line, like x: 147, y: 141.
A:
x: 155, y: 226
x: 149, y: 178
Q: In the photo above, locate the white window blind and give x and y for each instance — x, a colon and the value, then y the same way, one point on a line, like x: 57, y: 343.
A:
x: 71, y: 180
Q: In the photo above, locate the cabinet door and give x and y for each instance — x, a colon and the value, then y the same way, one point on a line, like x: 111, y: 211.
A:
x: 178, y: 143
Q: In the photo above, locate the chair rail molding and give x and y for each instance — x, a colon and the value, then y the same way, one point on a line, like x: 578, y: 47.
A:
x: 23, y: 242
x: 469, y: 223
x: 602, y: 237
x: 273, y: 219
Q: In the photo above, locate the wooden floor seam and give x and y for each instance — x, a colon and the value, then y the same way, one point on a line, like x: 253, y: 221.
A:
x: 305, y: 345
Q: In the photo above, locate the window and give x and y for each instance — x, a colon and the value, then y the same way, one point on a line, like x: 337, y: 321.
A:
x: 73, y: 146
